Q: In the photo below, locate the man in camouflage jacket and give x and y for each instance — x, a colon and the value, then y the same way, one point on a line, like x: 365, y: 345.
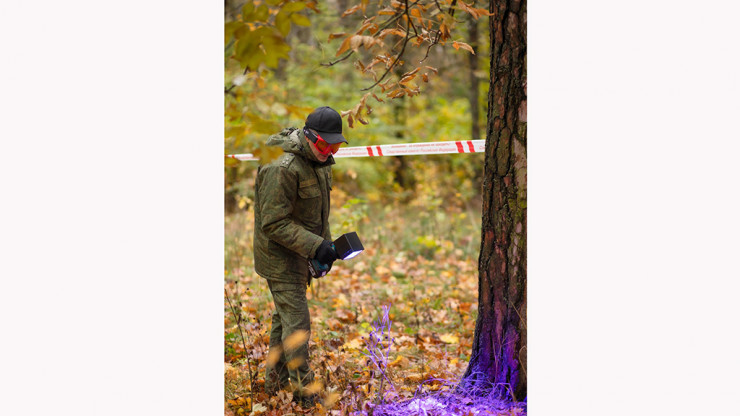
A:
x: 291, y: 226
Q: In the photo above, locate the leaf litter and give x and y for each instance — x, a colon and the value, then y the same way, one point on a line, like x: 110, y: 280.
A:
x: 429, y: 303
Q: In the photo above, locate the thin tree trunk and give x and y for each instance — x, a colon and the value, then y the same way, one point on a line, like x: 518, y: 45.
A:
x: 474, y: 82
x: 498, y: 357
x: 401, y: 172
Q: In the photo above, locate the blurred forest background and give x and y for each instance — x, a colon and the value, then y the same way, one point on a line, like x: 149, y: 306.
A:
x: 450, y: 106
x: 419, y: 217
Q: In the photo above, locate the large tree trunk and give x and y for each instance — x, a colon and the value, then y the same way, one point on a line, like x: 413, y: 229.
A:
x: 498, y: 356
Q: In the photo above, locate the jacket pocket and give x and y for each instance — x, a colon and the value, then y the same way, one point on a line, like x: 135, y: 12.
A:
x: 308, y: 192
x: 308, y: 208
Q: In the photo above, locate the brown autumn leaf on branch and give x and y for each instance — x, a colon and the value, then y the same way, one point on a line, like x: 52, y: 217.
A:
x: 458, y: 45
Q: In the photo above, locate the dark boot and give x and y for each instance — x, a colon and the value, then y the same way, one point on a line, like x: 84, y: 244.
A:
x: 307, y: 402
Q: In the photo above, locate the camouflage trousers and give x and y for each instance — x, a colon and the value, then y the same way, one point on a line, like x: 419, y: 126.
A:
x: 291, y: 369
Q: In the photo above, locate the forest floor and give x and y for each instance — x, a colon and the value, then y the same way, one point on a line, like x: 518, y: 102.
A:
x: 419, y: 266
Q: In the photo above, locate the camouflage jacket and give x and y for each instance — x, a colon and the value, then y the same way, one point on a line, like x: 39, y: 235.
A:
x: 291, y: 215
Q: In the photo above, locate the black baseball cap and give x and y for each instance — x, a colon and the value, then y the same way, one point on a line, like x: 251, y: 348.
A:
x: 328, y: 123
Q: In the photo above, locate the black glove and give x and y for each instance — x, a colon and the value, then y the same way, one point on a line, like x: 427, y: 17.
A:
x: 325, y: 253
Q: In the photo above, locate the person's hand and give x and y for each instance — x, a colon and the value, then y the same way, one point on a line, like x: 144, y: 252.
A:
x: 325, y: 253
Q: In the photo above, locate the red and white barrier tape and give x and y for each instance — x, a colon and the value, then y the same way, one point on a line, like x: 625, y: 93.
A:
x: 401, y: 149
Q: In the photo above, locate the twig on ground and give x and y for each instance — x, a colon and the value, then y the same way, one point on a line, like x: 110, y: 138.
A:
x: 244, y: 344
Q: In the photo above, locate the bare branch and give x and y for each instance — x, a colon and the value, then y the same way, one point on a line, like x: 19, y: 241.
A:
x: 435, y: 42
x: 406, y: 12
x: 396, y: 17
x: 398, y: 57
x: 438, y: 6
x: 451, y: 12
x: 340, y: 59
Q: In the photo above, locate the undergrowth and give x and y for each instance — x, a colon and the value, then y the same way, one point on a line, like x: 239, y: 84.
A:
x: 418, y: 272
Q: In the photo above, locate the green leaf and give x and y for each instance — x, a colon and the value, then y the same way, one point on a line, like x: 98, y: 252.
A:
x: 229, y: 29
x: 300, y: 20
x: 247, y: 11
x: 274, y: 47
x: 247, y: 48
x: 259, y: 125
x: 241, y: 31
x: 282, y: 23
x: 294, y: 7
x: 274, y: 2
x: 236, y: 132
x: 264, y: 45
x: 262, y: 14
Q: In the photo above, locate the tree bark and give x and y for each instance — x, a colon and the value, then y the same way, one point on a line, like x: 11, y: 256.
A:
x: 498, y: 358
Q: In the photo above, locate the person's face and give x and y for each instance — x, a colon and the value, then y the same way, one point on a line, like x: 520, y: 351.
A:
x: 321, y: 149
x: 321, y: 157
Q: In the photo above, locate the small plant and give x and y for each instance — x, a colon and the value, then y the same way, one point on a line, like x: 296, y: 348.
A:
x: 238, y: 319
x: 378, y: 344
x: 353, y: 213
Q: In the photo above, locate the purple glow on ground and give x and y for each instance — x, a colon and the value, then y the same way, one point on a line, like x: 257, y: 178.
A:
x: 450, y: 398
x: 378, y: 344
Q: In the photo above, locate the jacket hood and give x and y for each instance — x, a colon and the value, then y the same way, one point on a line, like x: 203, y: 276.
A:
x: 292, y: 140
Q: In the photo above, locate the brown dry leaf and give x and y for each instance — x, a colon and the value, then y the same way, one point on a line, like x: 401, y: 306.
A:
x: 345, y: 315
x: 483, y: 12
x: 340, y: 301
x: 230, y: 372
x: 400, y: 361
x: 333, y: 324
x: 387, y: 32
x: 381, y: 270
x: 355, y: 344
x: 458, y: 45
x: 413, y: 377
x: 467, y: 8
x: 367, y: 41
x: 344, y: 46
x: 351, y: 10
x: 368, y: 25
x: 285, y: 396
x: 258, y: 409
x: 295, y: 340
x: 386, y: 11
